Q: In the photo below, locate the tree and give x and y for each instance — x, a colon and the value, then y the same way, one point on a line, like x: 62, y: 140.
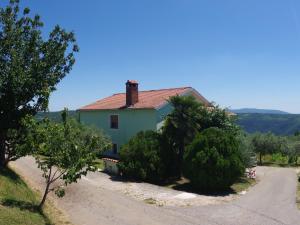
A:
x: 246, y: 150
x: 215, y: 116
x: 30, y: 69
x: 182, y: 124
x: 266, y: 144
x: 188, y: 118
x: 64, y: 150
x: 213, y: 160
x: 142, y: 157
x: 292, y: 150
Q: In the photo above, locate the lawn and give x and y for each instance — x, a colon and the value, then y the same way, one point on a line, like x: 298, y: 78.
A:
x: 18, y: 203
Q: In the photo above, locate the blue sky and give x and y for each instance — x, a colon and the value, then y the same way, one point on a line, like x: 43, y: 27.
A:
x: 236, y: 53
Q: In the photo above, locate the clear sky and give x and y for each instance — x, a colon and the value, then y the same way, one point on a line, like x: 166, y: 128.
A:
x: 236, y: 53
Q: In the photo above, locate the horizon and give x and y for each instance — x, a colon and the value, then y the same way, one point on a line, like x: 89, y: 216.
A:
x: 237, y: 54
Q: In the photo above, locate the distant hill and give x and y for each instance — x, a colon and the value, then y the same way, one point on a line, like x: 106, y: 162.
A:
x: 55, y: 116
x: 280, y: 124
x: 260, y: 111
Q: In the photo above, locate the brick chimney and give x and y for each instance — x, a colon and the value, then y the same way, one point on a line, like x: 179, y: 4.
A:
x: 132, y: 92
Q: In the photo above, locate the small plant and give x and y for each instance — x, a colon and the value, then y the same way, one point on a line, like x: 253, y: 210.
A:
x: 150, y: 201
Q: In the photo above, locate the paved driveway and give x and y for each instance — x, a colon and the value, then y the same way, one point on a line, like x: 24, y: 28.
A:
x: 270, y: 202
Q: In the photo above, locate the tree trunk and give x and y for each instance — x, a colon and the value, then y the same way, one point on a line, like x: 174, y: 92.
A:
x: 180, y: 160
x: 46, y: 190
x: 2, y: 151
x: 260, y: 159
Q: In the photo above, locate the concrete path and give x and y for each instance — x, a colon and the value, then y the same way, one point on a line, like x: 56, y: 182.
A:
x: 270, y: 202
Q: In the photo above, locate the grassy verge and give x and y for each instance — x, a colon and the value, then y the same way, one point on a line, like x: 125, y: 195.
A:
x: 18, y: 203
x: 241, y: 185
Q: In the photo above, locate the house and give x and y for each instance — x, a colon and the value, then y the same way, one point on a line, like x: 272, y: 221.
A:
x: 123, y: 115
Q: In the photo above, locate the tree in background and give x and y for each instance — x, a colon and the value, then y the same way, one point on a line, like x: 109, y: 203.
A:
x: 266, y: 144
x: 291, y: 150
x: 246, y: 149
x: 30, y: 68
x: 64, y: 150
x: 213, y: 160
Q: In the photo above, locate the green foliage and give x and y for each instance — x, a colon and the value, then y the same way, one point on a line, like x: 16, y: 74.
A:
x: 213, y: 160
x: 63, y: 150
x: 292, y: 151
x: 187, y: 119
x: 215, y: 116
x: 182, y: 124
x: 141, y: 157
x: 267, y: 144
x: 30, y: 68
x: 246, y: 150
x: 287, y: 124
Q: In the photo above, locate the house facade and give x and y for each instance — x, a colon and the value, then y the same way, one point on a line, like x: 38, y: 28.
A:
x: 123, y: 115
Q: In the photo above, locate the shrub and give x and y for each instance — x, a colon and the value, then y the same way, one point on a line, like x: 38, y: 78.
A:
x: 213, y: 160
x: 141, y: 157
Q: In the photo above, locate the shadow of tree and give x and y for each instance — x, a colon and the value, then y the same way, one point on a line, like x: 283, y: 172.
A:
x: 188, y: 187
x: 23, y: 205
x: 11, y: 175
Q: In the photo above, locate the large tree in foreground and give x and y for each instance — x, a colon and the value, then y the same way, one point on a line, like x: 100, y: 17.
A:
x: 181, y: 125
x: 188, y: 118
x: 63, y: 151
x: 30, y: 68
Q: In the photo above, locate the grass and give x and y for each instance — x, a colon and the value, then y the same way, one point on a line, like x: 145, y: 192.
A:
x: 277, y: 160
x: 150, y: 201
x: 18, y: 203
x: 99, y: 163
x: 241, y: 185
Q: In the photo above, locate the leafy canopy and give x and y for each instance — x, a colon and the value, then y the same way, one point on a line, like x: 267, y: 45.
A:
x: 64, y: 150
x: 141, y: 158
x: 213, y: 160
x: 30, y: 67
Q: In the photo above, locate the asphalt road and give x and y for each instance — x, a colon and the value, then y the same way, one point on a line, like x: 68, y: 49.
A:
x: 270, y: 202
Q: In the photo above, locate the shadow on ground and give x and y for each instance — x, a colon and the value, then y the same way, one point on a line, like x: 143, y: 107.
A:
x: 15, y: 203
x: 184, y: 185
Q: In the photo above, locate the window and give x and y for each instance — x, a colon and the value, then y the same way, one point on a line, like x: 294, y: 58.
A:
x: 115, y: 148
x: 114, y: 121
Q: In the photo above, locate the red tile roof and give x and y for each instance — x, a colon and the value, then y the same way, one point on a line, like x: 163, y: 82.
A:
x: 147, y: 99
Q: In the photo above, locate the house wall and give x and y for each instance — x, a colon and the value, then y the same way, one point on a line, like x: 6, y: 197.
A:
x: 130, y: 122
x: 161, y: 114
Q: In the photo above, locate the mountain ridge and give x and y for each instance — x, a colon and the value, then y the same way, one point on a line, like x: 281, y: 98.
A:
x: 259, y: 111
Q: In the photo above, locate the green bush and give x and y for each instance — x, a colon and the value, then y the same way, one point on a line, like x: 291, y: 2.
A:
x: 213, y: 160
x: 141, y: 157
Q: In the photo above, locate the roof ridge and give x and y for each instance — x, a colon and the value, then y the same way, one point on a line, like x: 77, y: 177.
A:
x: 163, y: 89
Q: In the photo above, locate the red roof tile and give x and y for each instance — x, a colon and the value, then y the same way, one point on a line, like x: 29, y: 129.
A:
x: 147, y: 99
